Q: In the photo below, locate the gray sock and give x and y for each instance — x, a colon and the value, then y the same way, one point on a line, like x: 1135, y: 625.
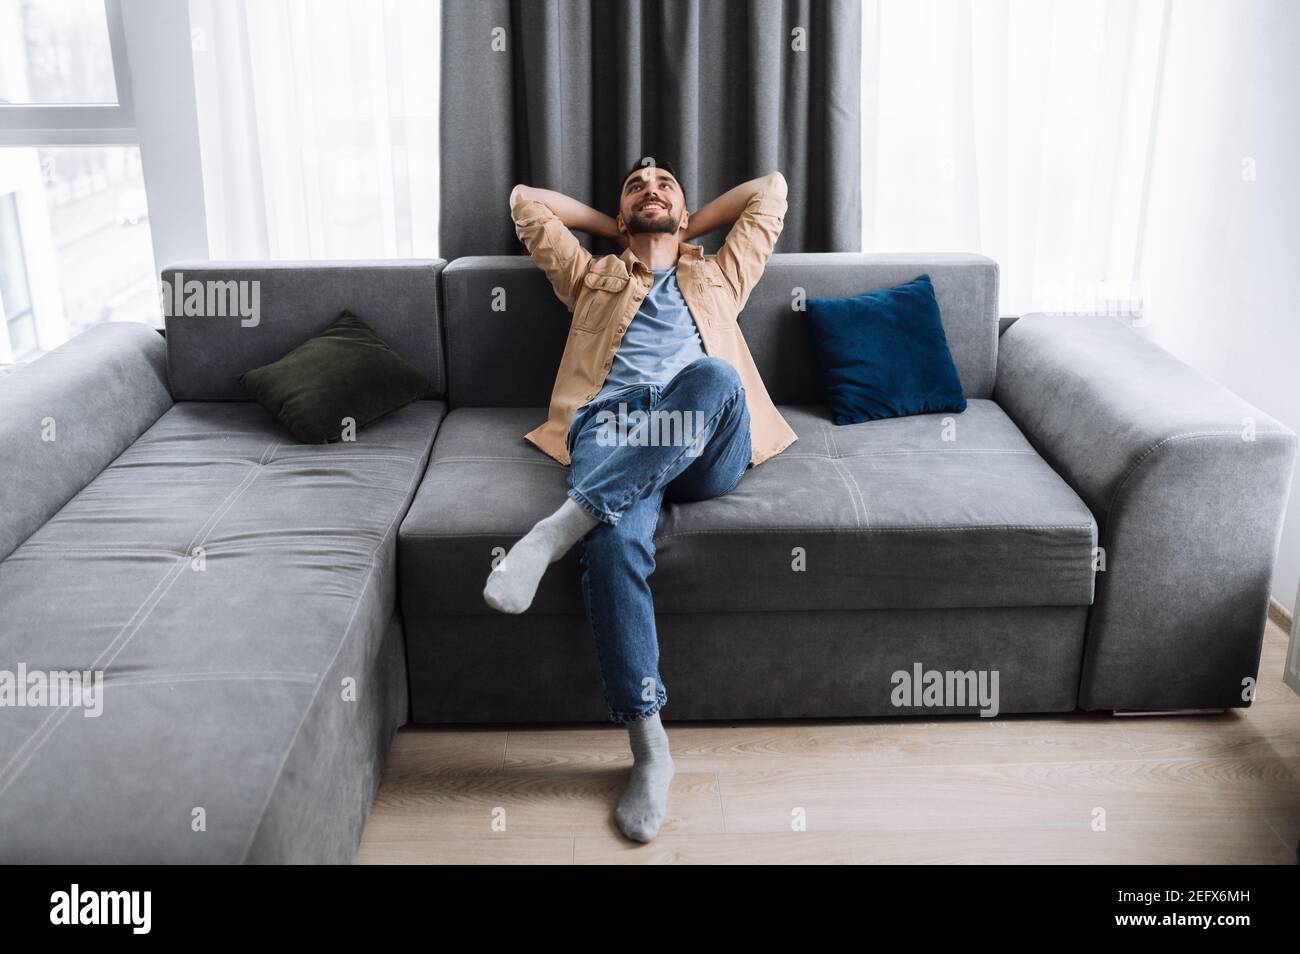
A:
x: 644, y: 803
x: 512, y: 585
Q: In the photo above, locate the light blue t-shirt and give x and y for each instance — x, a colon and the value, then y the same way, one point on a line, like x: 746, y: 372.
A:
x: 660, y: 340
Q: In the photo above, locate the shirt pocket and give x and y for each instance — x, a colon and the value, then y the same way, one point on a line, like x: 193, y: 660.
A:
x: 722, y: 307
x: 602, y: 293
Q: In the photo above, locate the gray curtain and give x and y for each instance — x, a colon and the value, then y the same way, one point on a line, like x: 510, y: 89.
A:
x: 585, y: 88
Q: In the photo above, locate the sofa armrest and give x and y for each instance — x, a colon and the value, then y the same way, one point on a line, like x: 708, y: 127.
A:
x: 1188, y: 484
x: 69, y: 414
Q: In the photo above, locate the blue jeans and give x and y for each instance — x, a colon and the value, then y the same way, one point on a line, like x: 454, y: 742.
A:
x: 696, y: 447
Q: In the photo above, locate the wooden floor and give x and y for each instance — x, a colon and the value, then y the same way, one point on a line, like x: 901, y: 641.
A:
x: 1186, y: 790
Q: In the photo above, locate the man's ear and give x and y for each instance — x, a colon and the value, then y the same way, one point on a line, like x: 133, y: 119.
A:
x: 686, y: 220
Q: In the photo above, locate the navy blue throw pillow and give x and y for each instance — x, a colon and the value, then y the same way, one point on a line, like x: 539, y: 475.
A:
x: 884, y: 354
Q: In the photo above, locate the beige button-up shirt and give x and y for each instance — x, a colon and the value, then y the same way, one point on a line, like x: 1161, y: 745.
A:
x: 604, y: 294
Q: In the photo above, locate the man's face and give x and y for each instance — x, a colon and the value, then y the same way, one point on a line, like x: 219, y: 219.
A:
x: 651, y: 202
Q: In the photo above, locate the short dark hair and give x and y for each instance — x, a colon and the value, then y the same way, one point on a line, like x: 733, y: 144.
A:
x: 650, y: 162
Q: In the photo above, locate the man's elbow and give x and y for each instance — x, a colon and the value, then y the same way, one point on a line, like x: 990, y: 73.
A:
x: 520, y: 193
x: 775, y: 183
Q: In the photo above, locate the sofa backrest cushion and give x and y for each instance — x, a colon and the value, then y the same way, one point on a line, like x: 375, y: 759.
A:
x: 253, y: 313
x: 507, y: 356
x: 71, y: 413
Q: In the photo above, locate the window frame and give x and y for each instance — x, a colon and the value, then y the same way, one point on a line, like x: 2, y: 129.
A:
x: 151, y: 46
x: 79, y: 124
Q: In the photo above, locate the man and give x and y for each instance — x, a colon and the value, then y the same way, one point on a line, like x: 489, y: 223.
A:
x: 654, y: 338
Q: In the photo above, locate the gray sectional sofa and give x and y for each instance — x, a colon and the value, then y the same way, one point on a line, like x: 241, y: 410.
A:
x: 1098, y: 528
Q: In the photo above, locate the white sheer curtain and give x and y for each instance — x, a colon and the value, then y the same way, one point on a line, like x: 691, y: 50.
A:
x: 1020, y: 129
x: 318, y: 126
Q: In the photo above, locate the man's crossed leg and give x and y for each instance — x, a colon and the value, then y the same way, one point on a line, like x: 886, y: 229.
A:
x: 617, y: 487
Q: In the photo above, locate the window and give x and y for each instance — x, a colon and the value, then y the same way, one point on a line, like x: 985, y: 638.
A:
x: 15, y: 290
x: 1022, y: 131
x: 56, y: 52
x: 75, y: 244
x: 318, y: 126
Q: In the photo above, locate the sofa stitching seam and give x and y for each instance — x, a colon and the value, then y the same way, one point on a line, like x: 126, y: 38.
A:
x: 57, y: 716
x: 798, y: 456
x: 221, y: 676
x: 517, y: 460
x: 1173, y: 438
x: 869, y: 529
x: 853, y: 500
x: 832, y: 451
x: 53, y: 547
x: 866, y: 513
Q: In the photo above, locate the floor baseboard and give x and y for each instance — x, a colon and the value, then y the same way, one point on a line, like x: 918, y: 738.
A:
x: 1278, y: 614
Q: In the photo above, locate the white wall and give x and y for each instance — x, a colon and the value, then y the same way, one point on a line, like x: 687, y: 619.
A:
x: 1221, y: 254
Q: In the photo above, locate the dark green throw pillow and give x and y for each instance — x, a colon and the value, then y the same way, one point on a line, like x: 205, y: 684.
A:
x: 346, y: 371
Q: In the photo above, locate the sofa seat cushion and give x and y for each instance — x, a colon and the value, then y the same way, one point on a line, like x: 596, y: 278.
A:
x: 225, y: 579
x: 879, y: 515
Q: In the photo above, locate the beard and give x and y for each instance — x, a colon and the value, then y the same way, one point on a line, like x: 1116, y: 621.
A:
x: 648, y: 223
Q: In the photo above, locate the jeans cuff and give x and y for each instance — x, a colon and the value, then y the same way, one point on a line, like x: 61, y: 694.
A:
x: 623, y: 718
x: 603, y: 516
